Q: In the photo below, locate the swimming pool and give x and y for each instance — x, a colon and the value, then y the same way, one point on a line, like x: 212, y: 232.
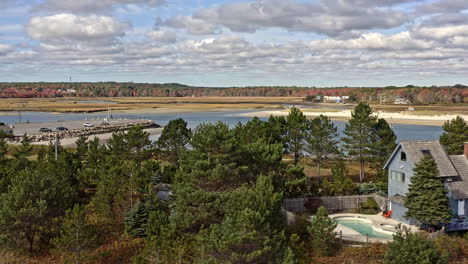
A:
x: 362, y: 226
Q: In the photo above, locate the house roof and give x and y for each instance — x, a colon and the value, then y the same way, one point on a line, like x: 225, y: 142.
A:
x: 415, y: 151
x: 459, y: 187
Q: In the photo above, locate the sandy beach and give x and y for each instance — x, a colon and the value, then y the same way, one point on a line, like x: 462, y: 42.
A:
x: 397, y: 118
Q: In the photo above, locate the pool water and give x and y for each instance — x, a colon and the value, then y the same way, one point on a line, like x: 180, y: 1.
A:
x: 362, y: 228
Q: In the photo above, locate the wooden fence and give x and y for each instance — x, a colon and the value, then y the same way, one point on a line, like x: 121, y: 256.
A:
x: 332, y: 203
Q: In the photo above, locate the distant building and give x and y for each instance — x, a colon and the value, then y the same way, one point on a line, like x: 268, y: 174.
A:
x: 453, y: 170
x: 400, y: 101
x: 6, y: 129
x: 335, y: 99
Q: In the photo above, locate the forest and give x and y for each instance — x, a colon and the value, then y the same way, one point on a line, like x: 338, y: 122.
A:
x: 414, y: 94
x: 208, y: 195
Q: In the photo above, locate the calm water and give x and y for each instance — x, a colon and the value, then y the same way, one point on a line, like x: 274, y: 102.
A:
x: 403, y: 132
x: 362, y: 228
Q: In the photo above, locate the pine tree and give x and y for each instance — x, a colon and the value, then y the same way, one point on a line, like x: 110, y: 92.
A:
x: 427, y: 199
x: 384, y: 146
x: 76, y: 233
x: 360, y: 136
x: 173, y: 140
x: 296, y: 126
x: 410, y: 248
x: 321, y: 230
x: 136, y: 220
x: 321, y: 139
x: 455, y: 134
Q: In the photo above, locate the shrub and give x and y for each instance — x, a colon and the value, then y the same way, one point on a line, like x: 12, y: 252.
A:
x: 409, y: 248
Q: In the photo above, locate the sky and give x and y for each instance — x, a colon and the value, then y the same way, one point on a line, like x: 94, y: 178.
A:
x: 321, y: 43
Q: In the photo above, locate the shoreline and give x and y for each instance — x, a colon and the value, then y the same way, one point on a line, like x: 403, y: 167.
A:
x: 71, y: 142
x: 392, y: 118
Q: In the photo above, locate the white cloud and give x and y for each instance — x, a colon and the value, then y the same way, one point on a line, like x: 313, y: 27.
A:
x: 324, y: 17
x: 4, y: 49
x: 162, y: 36
x: 70, y: 28
x: 91, y: 6
x: 441, y: 32
x: 372, y: 41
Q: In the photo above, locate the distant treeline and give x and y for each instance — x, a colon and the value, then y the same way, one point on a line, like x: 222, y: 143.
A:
x: 413, y: 94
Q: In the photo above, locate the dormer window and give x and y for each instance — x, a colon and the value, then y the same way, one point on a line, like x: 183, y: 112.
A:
x: 402, y: 156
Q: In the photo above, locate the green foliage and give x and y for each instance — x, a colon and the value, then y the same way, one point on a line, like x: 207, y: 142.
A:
x: 384, y: 145
x: 173, y: 140
x: 76, y: 233
x: 34, y: 198
x: 360, y: 136
x: 410, y: 248
x: 370, y: 203
x: 455, y: 134
x: 296, y: 127
x: 322, y: 235
x: 321, y: 139
x: 427, y: 199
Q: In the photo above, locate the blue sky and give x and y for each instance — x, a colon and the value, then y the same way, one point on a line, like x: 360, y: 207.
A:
x: 236, y: 43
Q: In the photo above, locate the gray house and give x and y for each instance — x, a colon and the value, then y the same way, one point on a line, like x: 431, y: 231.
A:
x: 453, y: 170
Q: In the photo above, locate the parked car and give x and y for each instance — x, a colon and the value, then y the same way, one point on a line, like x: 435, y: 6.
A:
x: 105, y: 124
x: 61, y: 128
x: 45, y: 129
x: 88, y: 124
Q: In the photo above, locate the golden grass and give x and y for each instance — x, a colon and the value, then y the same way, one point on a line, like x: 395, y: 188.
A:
x: 140, y: 103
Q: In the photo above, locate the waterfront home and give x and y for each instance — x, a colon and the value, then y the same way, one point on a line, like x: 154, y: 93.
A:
x: 453, y: 170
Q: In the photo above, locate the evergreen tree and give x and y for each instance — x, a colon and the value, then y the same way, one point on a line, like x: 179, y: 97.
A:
x: 76, y: 233
x: 296, y: 127
x: 410, y: 248
x: 173, y: 140
x: 360, y: 136
x: 342, y: 183
x: 321, y: 139
x: 34, y: 199
x: 321, y: 230
x: 455, y: 134
x: 384, y: 146
x: 5, y: 165
x: 136, y: 220
x: 427, y: 199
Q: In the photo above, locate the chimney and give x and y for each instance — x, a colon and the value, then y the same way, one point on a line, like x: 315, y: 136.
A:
x: 465, y: 149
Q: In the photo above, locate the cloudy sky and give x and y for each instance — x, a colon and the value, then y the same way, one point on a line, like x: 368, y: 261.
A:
x: 236, y: 42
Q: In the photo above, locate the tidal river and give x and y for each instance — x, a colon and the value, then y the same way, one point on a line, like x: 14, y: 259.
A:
x: 403, y: 131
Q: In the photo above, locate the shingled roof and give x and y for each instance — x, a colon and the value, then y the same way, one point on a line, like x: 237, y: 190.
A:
x: 459, y: 186
x: 415, y: 151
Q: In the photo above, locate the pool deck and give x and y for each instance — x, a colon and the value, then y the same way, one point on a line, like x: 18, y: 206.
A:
x: 379, y: 223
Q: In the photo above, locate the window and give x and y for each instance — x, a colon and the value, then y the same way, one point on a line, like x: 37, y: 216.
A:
x: 397, y: 176
x: 402, y: 156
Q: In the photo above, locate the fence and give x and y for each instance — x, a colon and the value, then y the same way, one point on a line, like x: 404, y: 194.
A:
x: 332, y: 203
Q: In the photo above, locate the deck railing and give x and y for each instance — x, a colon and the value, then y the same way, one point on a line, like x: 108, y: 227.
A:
x: 458, y: 224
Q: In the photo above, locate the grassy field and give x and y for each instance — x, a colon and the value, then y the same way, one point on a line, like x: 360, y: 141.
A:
x: 97, y: 104
x: 189, y: 104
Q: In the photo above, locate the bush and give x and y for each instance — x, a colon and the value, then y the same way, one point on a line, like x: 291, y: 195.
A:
x: 370, y: 204
x: 409, y: 248
x: 322, y: 233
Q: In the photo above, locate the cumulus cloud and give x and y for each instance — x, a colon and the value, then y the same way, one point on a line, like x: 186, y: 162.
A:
x: 71, y: 28
x: 443, y: 6
x: 4, y: 49
x: 91, y: 6
x: 163, y: 36
x: 332, y: 17
x: 374, y: 41
x: 193, y: 25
